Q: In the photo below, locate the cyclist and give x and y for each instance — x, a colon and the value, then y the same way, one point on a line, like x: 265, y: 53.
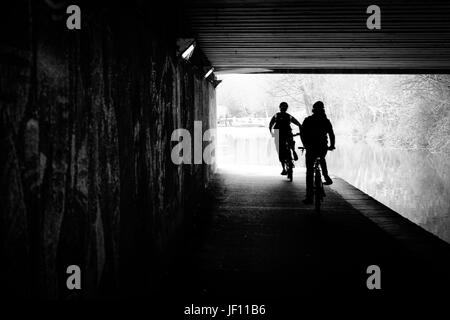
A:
x: 282, y: 122
x: 315, y: 129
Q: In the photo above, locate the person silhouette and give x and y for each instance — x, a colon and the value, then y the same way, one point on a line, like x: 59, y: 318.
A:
x: 315, y: 130
x: 282, y: 122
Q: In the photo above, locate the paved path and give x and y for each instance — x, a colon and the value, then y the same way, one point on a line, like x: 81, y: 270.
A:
x: 259, y: 242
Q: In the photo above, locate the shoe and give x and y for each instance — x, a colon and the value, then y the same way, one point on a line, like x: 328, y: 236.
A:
x: 295, y: 156
x: 308, y: 201
x: 328, y: 181
x: 284, y: 172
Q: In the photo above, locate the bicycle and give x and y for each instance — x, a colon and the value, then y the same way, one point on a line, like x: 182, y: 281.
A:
x: 319, y: 191
x: 289, y: 163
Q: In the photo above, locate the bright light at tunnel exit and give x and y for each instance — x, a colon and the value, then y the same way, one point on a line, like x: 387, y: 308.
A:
x: 360, y: 107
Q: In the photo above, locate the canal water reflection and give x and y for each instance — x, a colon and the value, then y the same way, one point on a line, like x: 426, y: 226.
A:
x: 414, y: 183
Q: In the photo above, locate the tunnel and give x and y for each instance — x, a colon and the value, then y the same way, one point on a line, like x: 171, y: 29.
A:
x: 88, y: 117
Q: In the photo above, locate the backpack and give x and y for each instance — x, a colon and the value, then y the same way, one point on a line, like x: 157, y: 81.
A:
x: 282, y: 121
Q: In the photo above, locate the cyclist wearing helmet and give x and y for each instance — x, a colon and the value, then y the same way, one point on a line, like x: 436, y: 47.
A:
x: 314, y: 135
x: 282, y: 122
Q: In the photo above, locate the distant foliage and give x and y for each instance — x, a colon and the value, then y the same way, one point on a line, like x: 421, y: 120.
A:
x: 405, y: 111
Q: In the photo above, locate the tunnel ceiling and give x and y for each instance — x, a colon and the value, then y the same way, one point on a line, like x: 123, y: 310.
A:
x: 321, y: 36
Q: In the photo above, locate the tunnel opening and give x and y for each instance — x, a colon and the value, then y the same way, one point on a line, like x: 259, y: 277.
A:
x: 392, y: 134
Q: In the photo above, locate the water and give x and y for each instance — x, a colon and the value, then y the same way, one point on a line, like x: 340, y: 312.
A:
x: 414, y: 183
x: 245, y: 146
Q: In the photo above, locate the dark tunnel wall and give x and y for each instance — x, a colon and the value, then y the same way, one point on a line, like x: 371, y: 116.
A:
x: 86, y: 176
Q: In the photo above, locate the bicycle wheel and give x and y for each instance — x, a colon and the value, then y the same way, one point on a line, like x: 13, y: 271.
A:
x: 289, y: 171
x: 317, y: 191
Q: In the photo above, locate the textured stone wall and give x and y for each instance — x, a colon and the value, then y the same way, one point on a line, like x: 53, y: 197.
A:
x: 85, y: 124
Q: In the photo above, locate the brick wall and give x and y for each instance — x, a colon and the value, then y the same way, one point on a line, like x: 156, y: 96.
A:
x: 86, y: 118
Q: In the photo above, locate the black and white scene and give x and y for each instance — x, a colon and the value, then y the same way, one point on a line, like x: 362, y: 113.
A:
x: 230, y: 159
